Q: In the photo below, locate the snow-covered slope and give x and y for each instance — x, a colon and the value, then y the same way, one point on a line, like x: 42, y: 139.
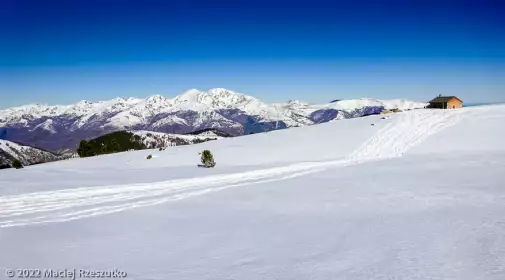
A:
x: 62, y: 127
x: 416, y: 196
x: 212, y: 133
x: 162, y: 140
x: 10, y: 151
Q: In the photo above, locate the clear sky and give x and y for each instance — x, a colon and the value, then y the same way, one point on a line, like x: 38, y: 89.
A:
x: 60, y: 52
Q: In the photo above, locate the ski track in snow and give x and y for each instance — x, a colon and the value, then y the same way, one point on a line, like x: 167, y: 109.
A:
x: 393, y: 140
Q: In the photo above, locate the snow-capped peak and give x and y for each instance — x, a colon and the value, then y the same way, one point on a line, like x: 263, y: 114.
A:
x: 156, y: 98
x: 190, y: 92
x: 118, y: 100
x: 296, y: 104
x: 48, y: 125
x: 83, y: 103
x: 221, y: 91
x: 215, y: 98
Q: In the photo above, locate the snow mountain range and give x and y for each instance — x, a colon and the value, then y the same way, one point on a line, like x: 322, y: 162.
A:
x: 61, y: 127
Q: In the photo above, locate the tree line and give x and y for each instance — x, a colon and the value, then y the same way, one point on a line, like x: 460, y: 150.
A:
x: 115, y: 142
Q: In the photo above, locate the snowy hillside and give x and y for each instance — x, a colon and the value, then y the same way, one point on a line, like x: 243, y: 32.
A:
x: 127, y: 141
x: 10, y: 151
x: 62, y: 127
x: 161, y: 140
x: 210, y: 132
x: 417, y: 196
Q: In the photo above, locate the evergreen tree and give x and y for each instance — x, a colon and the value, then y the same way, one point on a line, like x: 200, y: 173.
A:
x: 104, y: 149
x: 207, y: 159
x: 114, y: 146
x: 85, y: 149
x: 17, y: 164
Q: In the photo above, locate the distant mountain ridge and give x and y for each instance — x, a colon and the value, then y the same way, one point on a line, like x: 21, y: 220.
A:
x: 63, y: 126
x: 10, y: 151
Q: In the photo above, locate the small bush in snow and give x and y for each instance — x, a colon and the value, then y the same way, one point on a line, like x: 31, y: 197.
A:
x: 207, y: 159
x: 149, y: 157
x: 16, y: 164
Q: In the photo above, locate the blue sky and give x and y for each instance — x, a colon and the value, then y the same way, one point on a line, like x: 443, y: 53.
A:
x: 60, y: 52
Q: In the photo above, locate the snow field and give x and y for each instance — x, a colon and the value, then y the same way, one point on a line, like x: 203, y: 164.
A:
x: 421, y: 197
x: 410, y: 129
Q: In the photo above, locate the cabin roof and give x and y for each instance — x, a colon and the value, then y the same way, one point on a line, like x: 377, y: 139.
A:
x: 444, y: 99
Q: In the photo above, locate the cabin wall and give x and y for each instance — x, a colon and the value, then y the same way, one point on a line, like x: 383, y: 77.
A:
x: 454, y: 103
x: 437, y: 105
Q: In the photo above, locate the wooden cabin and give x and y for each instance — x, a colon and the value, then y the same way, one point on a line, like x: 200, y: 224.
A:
x: 446, y: 102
